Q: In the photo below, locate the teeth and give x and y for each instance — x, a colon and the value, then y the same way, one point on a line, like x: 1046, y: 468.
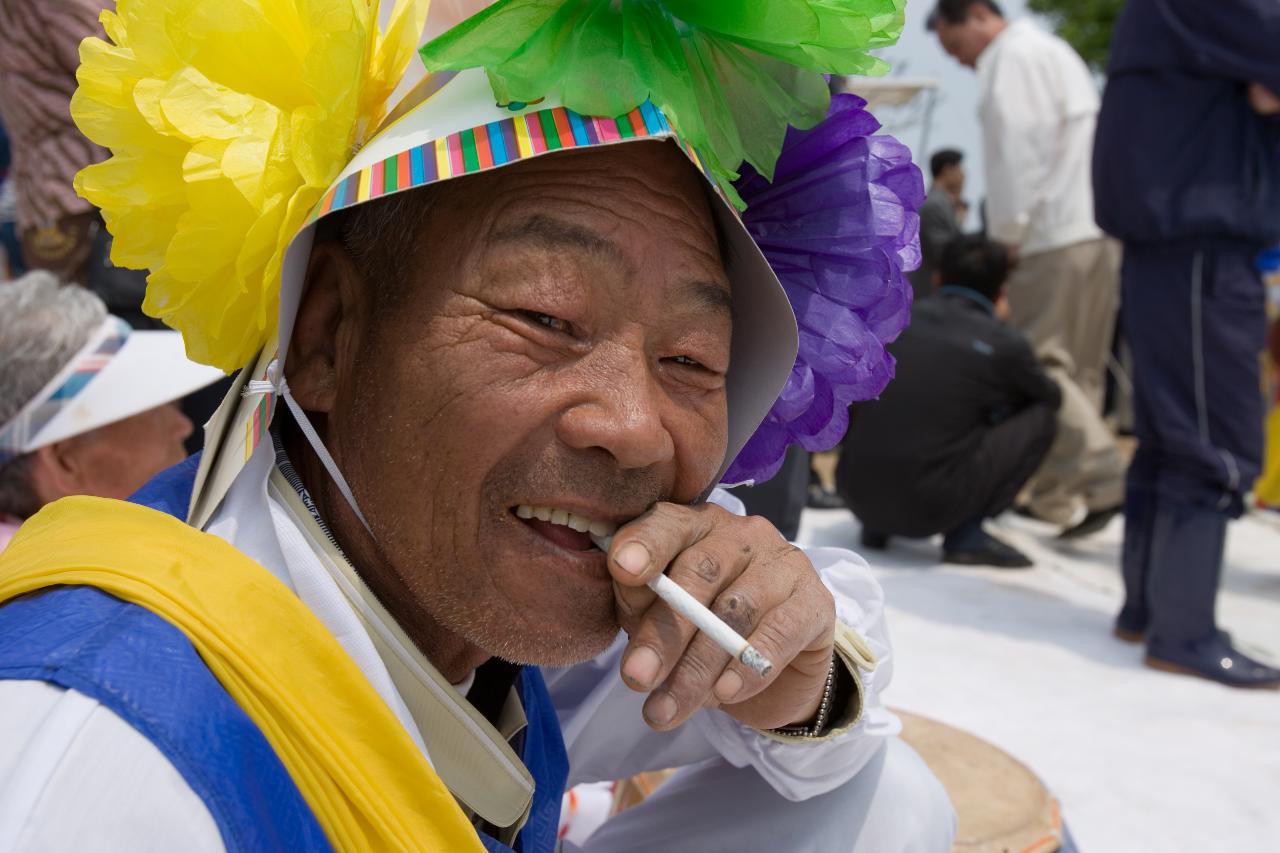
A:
x: 563, y: 517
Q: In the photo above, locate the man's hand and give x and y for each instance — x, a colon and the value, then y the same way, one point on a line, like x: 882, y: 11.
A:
x: 1001, y: 309
x: 762, y: 586
x: 1264, y: 101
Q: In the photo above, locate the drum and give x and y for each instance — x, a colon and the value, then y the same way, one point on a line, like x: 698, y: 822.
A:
x: 1003, y: 807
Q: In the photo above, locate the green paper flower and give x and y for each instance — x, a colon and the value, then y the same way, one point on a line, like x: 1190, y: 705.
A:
x: 730, y: 75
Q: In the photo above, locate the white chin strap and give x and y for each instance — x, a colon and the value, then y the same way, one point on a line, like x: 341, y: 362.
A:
x: 275, y: 384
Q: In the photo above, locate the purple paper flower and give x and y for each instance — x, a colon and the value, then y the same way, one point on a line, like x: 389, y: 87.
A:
x: 840, y: 227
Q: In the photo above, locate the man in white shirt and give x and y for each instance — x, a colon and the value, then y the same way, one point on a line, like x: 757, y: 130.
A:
x: 1038, y: 108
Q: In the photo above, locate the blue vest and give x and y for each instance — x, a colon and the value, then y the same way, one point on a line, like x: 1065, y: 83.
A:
x: 147, y: 672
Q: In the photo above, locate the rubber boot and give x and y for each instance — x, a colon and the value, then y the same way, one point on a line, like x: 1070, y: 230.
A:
x: 1135, y: 557
x: 1182, y: 586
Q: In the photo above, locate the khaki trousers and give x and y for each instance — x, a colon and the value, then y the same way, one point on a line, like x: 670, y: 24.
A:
x: 1065, y: 301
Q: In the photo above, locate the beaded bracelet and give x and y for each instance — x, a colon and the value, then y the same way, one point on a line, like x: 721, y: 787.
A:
x: 819, y: 723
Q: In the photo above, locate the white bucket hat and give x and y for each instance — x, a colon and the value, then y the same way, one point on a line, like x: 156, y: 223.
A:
x: 117, y: 374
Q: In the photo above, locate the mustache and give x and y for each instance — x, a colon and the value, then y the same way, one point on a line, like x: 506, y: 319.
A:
x: 592, y: 476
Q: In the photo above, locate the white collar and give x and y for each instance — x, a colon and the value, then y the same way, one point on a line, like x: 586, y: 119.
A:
x: 266, y: 519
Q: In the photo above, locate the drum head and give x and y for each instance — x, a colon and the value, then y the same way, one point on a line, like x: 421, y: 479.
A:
x: 1003, y: 807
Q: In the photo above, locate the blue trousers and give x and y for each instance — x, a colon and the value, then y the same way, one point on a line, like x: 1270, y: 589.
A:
x: 1195, y: 321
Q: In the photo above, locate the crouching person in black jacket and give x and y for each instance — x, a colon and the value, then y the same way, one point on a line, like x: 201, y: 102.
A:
x: 962, y: 427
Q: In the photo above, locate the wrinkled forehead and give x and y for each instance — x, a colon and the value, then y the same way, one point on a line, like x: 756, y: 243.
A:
x: 643, y: 210
x: 651, y: 184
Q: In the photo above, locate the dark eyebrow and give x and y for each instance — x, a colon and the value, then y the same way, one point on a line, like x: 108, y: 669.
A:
x: 708, y: 294
x: 555, y: 233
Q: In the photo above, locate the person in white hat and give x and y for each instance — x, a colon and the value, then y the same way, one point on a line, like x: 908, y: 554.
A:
x: 493, y: 367
x: 87, y: 406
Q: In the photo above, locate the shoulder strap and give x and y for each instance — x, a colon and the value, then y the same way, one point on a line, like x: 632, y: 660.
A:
x: 544, y: 754
x: 147, y: 673
x: 354, y: 763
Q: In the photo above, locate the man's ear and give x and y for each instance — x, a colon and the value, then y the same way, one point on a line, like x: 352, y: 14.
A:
x: 58, y: 470
x: 324, y: 326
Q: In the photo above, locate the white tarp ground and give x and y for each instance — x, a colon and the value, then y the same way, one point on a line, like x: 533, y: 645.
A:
x: 1140, y: 760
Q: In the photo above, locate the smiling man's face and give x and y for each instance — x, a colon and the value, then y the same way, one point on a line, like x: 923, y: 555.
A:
x: 554, y: 356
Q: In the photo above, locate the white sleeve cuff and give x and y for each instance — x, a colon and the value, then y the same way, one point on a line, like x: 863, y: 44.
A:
x: 800, y: 768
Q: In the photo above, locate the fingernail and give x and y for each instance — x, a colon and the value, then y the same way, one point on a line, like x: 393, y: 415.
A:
x: 729, y: 685
x: 641, y: 667
x: 632, y: 557
x: 661, y: 708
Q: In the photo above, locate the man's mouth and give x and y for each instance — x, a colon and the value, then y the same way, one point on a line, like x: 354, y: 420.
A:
x: 567, y: 529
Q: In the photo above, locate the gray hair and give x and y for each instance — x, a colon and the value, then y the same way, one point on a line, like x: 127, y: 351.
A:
x: 380, y: 236
x: 43, y: 324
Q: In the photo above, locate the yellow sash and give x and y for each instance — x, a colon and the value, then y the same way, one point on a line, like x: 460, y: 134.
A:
x: 367, y: 783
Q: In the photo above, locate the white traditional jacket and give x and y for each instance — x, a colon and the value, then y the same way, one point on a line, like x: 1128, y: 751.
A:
x: 74, y: 776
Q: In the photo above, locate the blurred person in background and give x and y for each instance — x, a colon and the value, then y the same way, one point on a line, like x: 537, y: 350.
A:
x: 941, y: 217
x: 1038, y: 108
x: 39, y: 52
x: 783, y: 497
x: 1187, y: 174
x: 962, y: 427
x: 86, y: 405
x: 57, y: 229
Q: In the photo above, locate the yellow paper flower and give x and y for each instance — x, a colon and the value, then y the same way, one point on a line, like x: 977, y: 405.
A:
x: 227, y: 121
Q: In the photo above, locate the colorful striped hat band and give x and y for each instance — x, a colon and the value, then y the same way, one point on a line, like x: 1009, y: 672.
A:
x: 497, y: 143
x: 22, y: 433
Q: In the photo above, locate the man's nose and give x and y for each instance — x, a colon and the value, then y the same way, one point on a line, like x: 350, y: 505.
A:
x: 622, y: 415
x: 180, y: 424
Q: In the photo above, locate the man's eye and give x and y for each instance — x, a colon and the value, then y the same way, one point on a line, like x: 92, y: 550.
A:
x: 686, y: 361
x: 553, y: 323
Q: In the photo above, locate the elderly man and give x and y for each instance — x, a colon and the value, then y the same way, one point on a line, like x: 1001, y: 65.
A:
x: 1038, y: 107
x: 507, y: 392
x: 86, y: 405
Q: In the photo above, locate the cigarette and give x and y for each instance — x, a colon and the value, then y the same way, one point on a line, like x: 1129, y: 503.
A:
x: 679, y: 599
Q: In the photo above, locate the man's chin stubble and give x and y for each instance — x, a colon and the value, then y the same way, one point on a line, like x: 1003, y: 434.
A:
x: 512, y: 632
